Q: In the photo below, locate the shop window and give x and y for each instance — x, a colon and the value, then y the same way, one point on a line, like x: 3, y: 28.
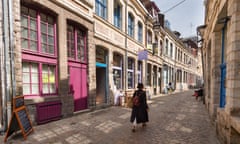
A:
x: 38, y: 79
x: 117, y: 70
x: 130, y: 72
x: 139, y: 72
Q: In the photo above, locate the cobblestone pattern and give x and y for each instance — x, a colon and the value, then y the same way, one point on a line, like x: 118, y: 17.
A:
x: 174, y: 119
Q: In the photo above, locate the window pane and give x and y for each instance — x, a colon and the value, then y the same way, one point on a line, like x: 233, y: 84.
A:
x: 117, y: 78
x: 34, y: 68
x: 33, y: 35
x: 34, y: 77
x: 35, y: 89
x: 33, y: 24
x: 24, y: 21
x: 44, y: 38
x: 50, y: 40
x: 25, y: 67
x: 51, y: 49
x: 44, y: 48
x: 24, y: 33
x: 50, y: 30
x: 26, y: 78
x: 45, y: 88
x: 44, y: 78
x: 33, y: 45
x: 43, y: 28
x: 52, y: 88
x: 44, y: 69
x: 26, y: 89
x: 50, y: 20
x: 43, y: 17
x: 24, y: 43
x: 130, y: 80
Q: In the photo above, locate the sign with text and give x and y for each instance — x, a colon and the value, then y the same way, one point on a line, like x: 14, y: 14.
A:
x: 20, y: 119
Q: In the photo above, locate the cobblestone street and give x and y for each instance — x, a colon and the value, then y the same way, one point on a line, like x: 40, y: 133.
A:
x: 174, y: 119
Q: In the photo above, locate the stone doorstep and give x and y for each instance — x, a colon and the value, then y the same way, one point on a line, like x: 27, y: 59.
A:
x: 235, y: 123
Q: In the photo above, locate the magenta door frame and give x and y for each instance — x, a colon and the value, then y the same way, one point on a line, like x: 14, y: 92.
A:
x: 78, y: 85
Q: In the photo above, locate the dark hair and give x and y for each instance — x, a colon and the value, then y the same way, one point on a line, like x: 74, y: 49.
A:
x: 140, y: 85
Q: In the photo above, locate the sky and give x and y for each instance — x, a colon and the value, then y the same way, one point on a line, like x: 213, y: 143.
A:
x: 185, y: 17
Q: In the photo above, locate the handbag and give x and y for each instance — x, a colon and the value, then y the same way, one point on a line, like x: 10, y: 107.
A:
x: 130, y: 102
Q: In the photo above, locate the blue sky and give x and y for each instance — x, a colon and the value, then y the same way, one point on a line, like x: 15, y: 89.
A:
x: 184, y: 18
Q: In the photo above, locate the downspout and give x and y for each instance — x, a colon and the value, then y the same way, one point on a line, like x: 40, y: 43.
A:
x: 126, y: 53
x: 222, y: 101
x: 6, y: 100
x: 12, y: 51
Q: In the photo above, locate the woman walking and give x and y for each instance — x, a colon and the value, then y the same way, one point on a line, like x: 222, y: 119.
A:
x: 140, y: 108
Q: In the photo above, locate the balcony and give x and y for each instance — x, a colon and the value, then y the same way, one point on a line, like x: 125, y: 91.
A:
x: 158, y: 22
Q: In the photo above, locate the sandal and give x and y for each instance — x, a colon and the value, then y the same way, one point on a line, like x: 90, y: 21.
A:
x: 134, y: 129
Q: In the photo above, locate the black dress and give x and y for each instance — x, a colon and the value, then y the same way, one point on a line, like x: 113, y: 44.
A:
x: 140, y: 112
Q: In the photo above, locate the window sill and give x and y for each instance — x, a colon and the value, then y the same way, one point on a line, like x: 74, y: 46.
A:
x: 39, y: 99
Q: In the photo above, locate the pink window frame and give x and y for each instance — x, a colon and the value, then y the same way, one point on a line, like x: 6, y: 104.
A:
x: 30, y: 76
x: 75, y: 28
x: 42, y: 58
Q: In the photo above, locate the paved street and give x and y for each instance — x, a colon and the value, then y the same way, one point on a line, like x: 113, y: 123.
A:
x: 174, y: 119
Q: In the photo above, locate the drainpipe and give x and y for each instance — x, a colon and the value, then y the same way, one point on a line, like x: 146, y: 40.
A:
x: 126, y: 53
x: 11, y: 46
x: 222, y: 101
x: 6, y: 100
x: 223, y: 64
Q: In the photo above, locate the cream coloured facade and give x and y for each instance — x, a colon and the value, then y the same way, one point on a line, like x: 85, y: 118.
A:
x: 76, y: 55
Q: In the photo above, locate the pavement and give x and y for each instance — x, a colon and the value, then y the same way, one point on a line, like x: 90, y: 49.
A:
x: 176, y: 118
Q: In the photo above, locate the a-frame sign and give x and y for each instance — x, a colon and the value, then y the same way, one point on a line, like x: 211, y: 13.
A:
x: 20, y: 119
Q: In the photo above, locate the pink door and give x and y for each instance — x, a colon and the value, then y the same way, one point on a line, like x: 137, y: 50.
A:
x: 78, y: 84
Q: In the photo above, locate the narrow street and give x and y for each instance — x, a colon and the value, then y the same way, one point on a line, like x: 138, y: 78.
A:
x: 174, y: 119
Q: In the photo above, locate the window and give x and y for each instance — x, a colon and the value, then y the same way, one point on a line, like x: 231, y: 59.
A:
x: 117, y: 15
x: 101, y: 8
x: 149, y: 74
x: 76, y: 43
x: 149, y: 37
x: 130, y: 25
x: 161, y: 47
x: 38, y: 78
x: 166, y: 47
x: 31, y: 34
x: 140, y: 32
x: 139, y: 72
x: 130, y: 72
x: 30, y: 76
x: 48, y: 79
x: 39, y: 67
x: 171, y: 50
x: 117, y: 70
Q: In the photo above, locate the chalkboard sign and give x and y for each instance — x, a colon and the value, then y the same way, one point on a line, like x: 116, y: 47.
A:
x: 18, y: 102
x: 24, y: 120
x: 19, y: 121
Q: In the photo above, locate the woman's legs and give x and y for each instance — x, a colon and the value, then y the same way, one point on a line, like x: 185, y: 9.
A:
x: 134, y: 125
